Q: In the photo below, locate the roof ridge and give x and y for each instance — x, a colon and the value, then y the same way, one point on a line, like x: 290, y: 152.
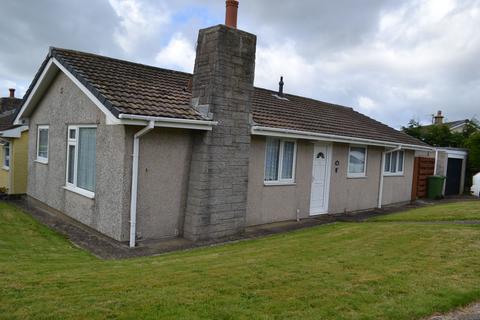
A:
x: 53, y: 49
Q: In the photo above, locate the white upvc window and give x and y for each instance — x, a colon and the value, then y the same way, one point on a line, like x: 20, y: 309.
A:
x: 357, y: 162
x: 280, y: 159
x: 42, y: 144
x: 394, y: 163
x: 6, y: 155
x: 81, y: 159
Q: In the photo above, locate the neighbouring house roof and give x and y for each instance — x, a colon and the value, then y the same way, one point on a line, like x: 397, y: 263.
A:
x: 453, y: 124
x: 7, y: 104
x: 136, y: 89
x: 9, y: 108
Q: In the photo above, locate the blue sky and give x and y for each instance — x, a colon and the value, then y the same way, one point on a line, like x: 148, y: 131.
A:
x: 392, y: 60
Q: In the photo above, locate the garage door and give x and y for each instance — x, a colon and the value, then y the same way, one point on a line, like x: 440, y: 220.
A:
x: 454, y: 174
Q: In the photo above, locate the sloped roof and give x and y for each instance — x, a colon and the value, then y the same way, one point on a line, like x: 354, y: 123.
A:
x: 137, y: 89
x: 453, y: 124
x: 9, y: 108
x: 304, y: 114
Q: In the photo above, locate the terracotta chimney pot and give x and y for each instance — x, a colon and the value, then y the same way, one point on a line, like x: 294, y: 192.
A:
x: 231, y: 14
x: 12, y: 92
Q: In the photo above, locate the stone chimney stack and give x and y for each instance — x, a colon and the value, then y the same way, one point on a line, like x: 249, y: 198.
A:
x: 222, y: 88
x: 438, y: 119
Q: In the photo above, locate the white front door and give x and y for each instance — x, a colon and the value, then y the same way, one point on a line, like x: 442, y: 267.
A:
x: 320, y: 178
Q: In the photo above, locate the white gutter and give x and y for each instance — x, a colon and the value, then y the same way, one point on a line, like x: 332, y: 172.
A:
x: 288, y: 133
x: 133, y: 201
x: 380, y: 190
x: 170, y: 122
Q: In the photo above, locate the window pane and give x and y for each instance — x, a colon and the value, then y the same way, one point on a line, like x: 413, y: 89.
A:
x: 287, y: 165
x: 6, y: 153
x: 43, y: 143
x: 72, y: 134
x: 356, y: 160
x: 387, y: 162
x: 71, y: 163
x: 394, y: 161
x: 400, y: 161
x: 271, y: 161
x: 86, y: 159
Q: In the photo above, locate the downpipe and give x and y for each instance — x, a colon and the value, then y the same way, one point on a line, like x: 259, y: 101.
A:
x: 133, y: 200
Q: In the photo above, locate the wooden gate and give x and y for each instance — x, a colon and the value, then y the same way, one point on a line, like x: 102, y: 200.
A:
x: 422, y: 169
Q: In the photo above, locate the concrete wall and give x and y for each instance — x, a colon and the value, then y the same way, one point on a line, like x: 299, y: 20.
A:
x: 164, y: 164
x: 4, y: 173
x: 19, y: 164
x: 351, y: 194
x: 278, y: 203
x: 399, y: 188
x: 65, y: 104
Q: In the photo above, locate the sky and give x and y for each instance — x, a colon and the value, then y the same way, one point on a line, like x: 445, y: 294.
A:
x: 389, y: 59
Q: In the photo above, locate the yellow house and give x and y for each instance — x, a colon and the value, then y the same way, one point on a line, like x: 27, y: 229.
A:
x: 13, y: 148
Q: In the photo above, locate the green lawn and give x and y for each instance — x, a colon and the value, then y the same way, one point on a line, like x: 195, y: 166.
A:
x: 378, y: 270
x: 469, y: 210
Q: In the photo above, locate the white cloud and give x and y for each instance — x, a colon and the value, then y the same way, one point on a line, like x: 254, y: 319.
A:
x: 365, y: 103
x: 139, y: 21
x: 179, y: 54
x: 409, y: 57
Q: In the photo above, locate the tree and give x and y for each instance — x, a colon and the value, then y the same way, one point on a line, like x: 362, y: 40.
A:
x: 441, y: 136
x: 473, y: 145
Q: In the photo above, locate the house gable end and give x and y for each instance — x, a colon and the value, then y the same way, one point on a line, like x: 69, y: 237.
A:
x: 42, y: 82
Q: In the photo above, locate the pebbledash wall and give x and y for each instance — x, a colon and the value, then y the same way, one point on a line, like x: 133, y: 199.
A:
x: 272, y: 203
x: 163, y: 169
x: 62, y: 105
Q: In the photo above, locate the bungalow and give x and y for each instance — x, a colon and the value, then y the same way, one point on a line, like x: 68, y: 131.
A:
x: 14, y: 147
x: 139, y: 152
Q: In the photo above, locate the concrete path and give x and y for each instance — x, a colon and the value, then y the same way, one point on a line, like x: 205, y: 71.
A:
x: 471, y: 312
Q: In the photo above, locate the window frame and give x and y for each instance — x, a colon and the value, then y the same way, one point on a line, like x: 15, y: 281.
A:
x: 397, y: 164
x: 39, y: 158
x: 74, y: 142
x: 8, y: 146
x: 358, y: 174
x: 281, y: 151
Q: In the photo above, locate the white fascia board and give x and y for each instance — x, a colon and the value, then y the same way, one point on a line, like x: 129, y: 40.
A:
x: 47, y: 75
x: 130, y: 119
x: 296, y: 134
x: 13, y: 133
x: 456, y: 154
x: 110, y: 118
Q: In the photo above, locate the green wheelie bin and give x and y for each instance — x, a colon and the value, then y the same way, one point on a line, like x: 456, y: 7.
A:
x: 435, y: 187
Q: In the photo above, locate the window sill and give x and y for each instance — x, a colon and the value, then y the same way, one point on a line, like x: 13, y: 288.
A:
x: 6, y: 168
x: 278, y: 183
x: 42, y: 161
x: 393, y: 175
x: 82, y: 192
x: 357, y: 177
